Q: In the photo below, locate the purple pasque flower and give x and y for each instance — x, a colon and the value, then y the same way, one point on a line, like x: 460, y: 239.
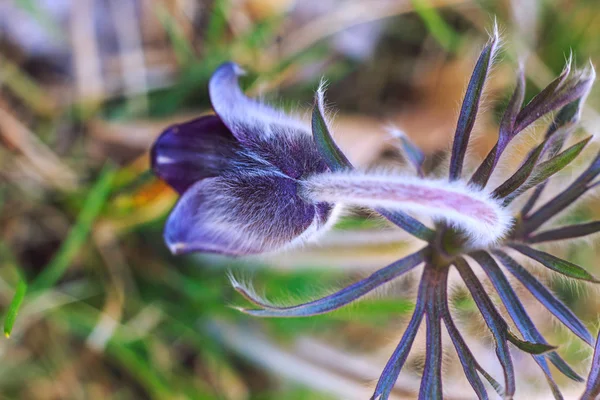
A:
x: 253, y: 180
x: 237, y: 174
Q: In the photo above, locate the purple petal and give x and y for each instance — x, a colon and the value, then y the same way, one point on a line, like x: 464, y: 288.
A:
x: 247, y: 118
x: 242, y: 214
x: 186, y: 153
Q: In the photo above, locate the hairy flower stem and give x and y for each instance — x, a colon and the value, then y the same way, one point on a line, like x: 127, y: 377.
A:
x: 455, y: 203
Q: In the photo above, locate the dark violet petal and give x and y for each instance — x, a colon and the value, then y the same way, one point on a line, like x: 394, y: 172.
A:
x: 337, y: 161
x: 248, y: 119
x: 520, y: 176
x: 546, y: 169
x: 554, y: 263
x: 186, y: 153
x: 566, y: 232
x: 493, y: 320
x: 340, y: 298
x: 519, y: 316
x: 240, y: 214
x: 483, y: 173
x: 334, y: 157
x: 592, y: 387
x: 565, y: 198
x: 559, y: 93
x: 544, y: 296
x: 431, y: 381
x: 470, y: 107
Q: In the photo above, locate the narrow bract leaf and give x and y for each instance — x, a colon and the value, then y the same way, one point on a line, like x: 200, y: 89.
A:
x: 408, y: 223
x: 467, y: 360
x: 507, y: 124
x: 543, y: 97
x: 566, y: 91
x: 536, y: 344
x: 412, y: 153
x: 530, y: 347
x: 557, y: 133
x: 493, y: 320
x: 545, y: 170
x: 337, y: 161
x: 483, y: 173
x: 545, y: 296
x: 470, y: 107
x: 334, y: 157
x: 470, y: 365
x: 520, y: 176
x: 554, y: 263
x: 390, y: 373
x: 335, y: 300
x: 431, y: 381
x: 592, y: 387
x: 564, y: 368
x: 566, y: 232
x: 565, y: 198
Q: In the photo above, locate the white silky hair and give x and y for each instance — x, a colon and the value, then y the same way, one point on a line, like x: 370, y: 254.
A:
x: 485, y: 222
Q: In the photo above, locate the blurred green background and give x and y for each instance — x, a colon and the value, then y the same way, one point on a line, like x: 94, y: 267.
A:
x: 95, y: 305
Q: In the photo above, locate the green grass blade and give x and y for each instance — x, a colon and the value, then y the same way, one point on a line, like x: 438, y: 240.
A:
x: 76, y: 238
x: 437, y: 26
x: 15, y: 305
